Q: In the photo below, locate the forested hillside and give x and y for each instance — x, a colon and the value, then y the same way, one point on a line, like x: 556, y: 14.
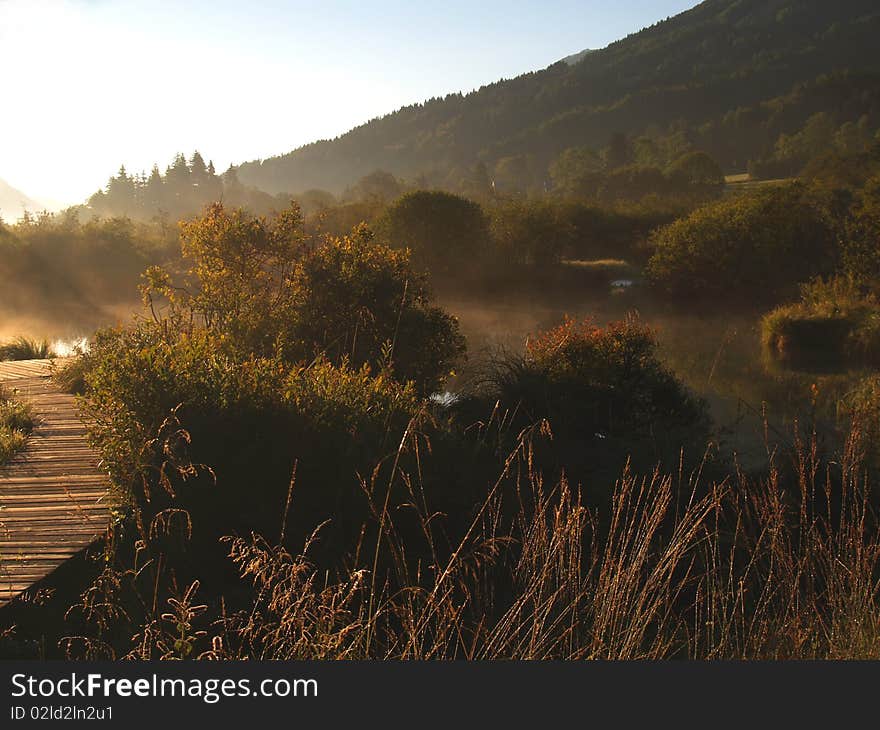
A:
x: 743, y: 80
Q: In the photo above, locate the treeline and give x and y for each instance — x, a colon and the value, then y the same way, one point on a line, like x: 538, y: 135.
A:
x: 751, y: 247
x: 839, y: 114
x: 594, y: 206
x: 460, y: 240
x: 773, y: 138
x: 74, y: 263
x: 186, y: 188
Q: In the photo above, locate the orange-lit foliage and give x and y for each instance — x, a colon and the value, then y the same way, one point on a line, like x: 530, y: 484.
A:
x: 583, y: 350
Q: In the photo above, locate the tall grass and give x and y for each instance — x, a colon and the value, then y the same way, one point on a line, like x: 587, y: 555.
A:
x: 779, y: 567
x: 834, y: 325
x: 16, y: 423
x: 23, y: 348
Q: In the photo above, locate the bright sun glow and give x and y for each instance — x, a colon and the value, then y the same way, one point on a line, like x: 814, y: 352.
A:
x: 101, y: 91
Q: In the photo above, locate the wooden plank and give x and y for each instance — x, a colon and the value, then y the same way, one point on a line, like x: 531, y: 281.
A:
x: 53, y: 496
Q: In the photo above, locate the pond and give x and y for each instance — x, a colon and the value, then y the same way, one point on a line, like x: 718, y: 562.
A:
x: 718, y: 355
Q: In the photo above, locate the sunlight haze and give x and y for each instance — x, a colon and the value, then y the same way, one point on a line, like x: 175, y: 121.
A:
x: 505, y: 332
x: 99, y: 83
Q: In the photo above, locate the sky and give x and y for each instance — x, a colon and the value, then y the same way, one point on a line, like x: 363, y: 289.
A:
x: 92, y: 84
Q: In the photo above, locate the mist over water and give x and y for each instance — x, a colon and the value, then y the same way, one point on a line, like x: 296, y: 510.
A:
x: 65, y: 334
x: 718, y: 355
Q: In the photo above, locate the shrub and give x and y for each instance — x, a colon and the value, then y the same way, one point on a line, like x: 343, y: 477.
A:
x: 356, y: 299
x: 604, y: 392
x: 616, y: 367
x: 266, y: 290
x: 834, y: 325
x: 532, y: 233
x: 71, y: 375
x: 861, y: 254
x: 631, y: 182
x: 447, y: 234
x: 696, y: 169
x: 251, y: 421
x: 274, y: 354
x: 752, y: 247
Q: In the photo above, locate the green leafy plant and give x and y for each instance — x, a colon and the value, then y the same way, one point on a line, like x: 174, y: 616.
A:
x: 265, y: 290
x: 754, y: 247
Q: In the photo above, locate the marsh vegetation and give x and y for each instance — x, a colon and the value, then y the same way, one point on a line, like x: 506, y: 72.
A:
x: 632, y: 480
x: 585, y: 400
x: 16, y: 423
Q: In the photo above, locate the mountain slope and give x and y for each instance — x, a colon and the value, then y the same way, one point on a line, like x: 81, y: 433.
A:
x: 14, y: 202
x: 577, y: 57
x: 688, y: 76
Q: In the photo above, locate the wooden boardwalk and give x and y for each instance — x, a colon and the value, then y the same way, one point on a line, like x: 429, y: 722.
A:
x: 53, y: 495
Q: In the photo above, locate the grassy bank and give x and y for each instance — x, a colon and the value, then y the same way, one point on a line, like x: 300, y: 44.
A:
x: 24, y: 348
x: 834, y: 326
x: 16, y: 423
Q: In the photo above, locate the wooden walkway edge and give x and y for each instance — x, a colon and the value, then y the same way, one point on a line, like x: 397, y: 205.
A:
x: 53, y: 495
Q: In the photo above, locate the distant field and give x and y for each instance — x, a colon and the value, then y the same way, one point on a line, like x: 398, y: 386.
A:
x: 744, y: 181
x: 610, y: 266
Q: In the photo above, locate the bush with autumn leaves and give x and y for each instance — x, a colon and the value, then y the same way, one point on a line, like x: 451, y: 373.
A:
x: 605, y: 394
